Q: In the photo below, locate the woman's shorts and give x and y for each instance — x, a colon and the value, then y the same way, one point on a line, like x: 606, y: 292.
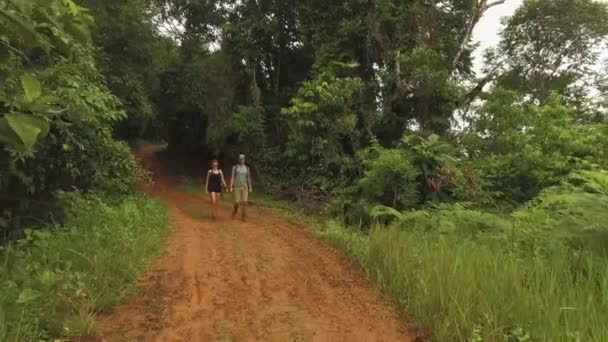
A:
x: 212, y: 188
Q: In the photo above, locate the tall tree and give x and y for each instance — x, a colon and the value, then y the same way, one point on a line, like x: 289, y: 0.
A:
x: 551, y: 46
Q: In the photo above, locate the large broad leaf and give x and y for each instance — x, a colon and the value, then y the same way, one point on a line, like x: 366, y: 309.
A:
x: 31, y: 87
x: 44, y: 104
x: 8, y: 136
x: 27, y: 127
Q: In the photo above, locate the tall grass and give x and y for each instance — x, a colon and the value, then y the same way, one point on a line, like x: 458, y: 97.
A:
x: 479, y: 290
x: 52, y: 282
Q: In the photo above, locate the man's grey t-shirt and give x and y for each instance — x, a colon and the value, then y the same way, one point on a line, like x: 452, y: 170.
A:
x: 241, y: 172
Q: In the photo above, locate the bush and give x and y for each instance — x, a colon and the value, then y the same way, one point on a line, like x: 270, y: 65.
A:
x: 53, y: 281
x: 390, y: 179
x: 56, y: 114
x: 520, y: 150
x: 576, y: 212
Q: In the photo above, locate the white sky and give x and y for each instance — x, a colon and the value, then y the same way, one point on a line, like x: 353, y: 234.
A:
x: 489, y: 26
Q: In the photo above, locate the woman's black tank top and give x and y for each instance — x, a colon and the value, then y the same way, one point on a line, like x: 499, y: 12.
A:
x: 215, y: 182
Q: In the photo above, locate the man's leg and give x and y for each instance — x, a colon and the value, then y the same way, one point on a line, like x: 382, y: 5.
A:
x: 237, y: 201
x: 235, y: 210
x: 244, y: 200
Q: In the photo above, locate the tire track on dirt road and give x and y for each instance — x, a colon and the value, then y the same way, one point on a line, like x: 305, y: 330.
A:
x: 262, y: 280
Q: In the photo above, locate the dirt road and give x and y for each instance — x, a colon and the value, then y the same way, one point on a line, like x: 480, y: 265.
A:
x: 261, y: 280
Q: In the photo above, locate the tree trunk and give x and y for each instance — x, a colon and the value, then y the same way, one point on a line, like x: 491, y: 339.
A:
x: 480, y: 7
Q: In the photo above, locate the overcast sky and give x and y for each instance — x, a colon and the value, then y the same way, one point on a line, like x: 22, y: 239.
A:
x: 487, y: 30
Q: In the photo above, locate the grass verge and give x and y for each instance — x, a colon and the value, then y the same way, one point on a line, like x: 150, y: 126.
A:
x: 465, y: 290
x: 53, y: 281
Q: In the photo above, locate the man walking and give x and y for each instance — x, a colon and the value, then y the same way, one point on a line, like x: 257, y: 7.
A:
x: 240, y: 183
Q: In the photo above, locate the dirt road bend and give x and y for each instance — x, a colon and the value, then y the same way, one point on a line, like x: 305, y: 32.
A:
x: 262, y: 280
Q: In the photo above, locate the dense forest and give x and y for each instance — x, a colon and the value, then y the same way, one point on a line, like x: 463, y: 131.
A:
x: 476, y: 201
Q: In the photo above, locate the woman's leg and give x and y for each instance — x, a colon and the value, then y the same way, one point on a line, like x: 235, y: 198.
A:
x: 218, y: 198
x: 213, y: 204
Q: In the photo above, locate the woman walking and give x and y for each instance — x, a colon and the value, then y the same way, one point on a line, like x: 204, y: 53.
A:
x: 214, y: 184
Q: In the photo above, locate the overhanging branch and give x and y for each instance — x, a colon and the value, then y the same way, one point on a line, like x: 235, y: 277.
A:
x: 479, y: 9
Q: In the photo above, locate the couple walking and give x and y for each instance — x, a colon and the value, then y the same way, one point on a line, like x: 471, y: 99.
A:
x: 240, y: 184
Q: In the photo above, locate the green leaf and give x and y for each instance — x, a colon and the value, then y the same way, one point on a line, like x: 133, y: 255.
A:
x: 48, y: 99
x: 31, y: 87
x: 47, y: 277
x: 38, y: 108
x: 27, y: 295
x: 43, y: 104
x: 74, y: 9
x: 380, y: 211
x: 28, y: 127
x: 8, y: 136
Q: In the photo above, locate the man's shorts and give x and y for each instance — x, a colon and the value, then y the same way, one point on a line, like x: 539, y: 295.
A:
x: 241, y: 195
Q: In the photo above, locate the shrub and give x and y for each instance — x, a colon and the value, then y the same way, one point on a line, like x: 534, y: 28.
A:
x: 519, y: 150
x: 56, y: 114
x: 390, y: 178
